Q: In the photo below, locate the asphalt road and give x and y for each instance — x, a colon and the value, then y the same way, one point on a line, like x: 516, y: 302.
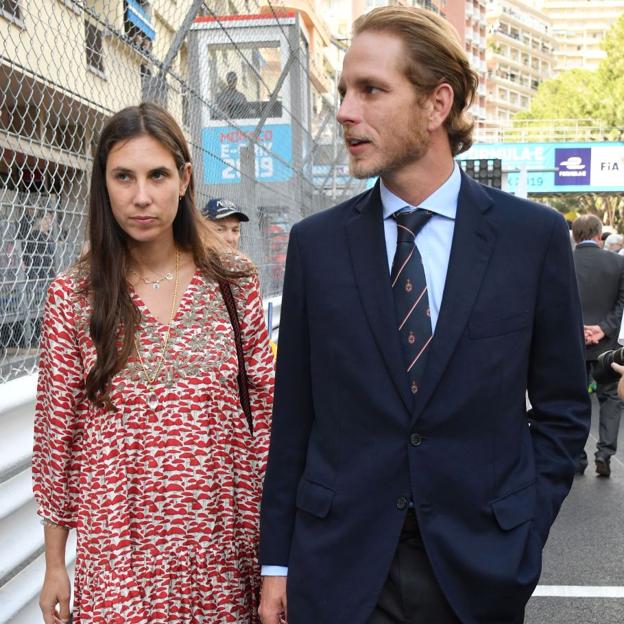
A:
x: 585, y: 551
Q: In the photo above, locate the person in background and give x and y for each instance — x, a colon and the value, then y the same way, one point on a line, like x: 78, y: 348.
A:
x: 227, y: 218
x: 147, y: 440
x: 38, y: 256
x: 600, y: 278
x: 406, y: 482
x: 618, y: 367
x: 230, y: 101
x: 614, y: 243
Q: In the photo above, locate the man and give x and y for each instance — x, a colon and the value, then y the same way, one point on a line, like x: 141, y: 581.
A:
x: 230, y: 101
x: 227, y: 218
x: 600, y: 277
x: 404, y: 481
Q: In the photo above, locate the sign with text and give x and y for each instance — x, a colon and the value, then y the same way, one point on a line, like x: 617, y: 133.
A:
x: 222, y: 153
x: 573, y: 166
x: 558, y: 167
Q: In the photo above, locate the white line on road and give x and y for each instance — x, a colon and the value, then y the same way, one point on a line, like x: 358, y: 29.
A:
x: 579, y: 591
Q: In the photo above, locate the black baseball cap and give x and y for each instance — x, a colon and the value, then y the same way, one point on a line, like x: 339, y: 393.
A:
x: 220, y: 208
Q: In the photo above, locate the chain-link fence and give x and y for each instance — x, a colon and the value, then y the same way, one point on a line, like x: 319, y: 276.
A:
x: 248, y: 82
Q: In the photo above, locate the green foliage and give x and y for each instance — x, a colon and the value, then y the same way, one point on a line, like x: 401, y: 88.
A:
x: 584, y: 94
x: 593, y: 95
x: 611, y: 77
x: 573, y: 94
x: 608, y: 207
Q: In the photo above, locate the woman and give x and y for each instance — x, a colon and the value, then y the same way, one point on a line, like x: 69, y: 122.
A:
x: 141, y: 441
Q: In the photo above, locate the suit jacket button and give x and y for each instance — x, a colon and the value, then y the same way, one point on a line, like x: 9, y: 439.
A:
x: 415, y: 439
x: 402, y: 503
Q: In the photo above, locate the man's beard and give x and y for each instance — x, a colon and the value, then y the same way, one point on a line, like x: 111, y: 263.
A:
x: 407, y: 150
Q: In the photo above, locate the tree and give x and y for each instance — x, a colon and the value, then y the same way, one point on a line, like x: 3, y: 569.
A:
x: 610, y: 78
x: 608, y: 207
x: 597, y: 96
x: 573, y: 94
x: 584, y: 94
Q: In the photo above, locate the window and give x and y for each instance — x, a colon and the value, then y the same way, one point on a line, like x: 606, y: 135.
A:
x: 243, y: 88
x: 10, y: 9
x: 94, y: 47
x: 138, y: 24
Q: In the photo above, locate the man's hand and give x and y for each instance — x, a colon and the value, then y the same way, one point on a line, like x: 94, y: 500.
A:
x: 593, y: 334
x: 273, y: 600
x: 54, y: 597
x: 619, y: 369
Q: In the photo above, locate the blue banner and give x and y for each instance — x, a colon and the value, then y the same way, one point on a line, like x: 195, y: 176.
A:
x: 558, y: 167
x: 222, y: 147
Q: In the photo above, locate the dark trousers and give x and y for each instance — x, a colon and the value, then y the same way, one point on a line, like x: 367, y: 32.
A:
x: 609, y: 422
x: 411, y: 594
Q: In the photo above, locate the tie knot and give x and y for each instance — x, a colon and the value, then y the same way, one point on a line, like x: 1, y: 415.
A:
x: 409, y: 223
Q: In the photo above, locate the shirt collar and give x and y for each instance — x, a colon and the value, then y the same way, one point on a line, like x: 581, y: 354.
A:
x: 443, y: 201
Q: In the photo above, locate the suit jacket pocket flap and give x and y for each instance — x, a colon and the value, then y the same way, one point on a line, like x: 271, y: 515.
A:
x: 479, y: 327
x: 314, y: 498
x: 515, y: 508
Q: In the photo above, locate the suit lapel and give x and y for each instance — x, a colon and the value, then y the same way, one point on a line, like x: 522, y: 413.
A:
x: 473, y: 242
x: 367, y: 246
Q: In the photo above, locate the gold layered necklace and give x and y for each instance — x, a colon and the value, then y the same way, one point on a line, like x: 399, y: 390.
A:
x: 152, y: 398
x: 155, y: 284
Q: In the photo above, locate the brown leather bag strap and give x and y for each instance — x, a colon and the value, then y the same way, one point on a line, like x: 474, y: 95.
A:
x: 243, y: 384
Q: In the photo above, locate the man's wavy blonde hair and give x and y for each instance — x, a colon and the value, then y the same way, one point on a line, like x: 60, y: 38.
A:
x: 433, y: 56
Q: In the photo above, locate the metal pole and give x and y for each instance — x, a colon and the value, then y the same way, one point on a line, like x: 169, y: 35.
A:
x: 175, y: 46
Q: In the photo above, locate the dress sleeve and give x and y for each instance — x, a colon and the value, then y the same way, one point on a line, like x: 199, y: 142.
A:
x: 58, y: 434
x: 259, y: 363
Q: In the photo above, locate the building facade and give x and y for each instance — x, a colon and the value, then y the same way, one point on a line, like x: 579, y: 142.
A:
x: 469, y: 19
x: 579, y: 27
x: 520, y: 55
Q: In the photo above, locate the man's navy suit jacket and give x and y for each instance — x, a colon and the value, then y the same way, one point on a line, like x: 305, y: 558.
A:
x: 600, y: 279
x: 351, y: 445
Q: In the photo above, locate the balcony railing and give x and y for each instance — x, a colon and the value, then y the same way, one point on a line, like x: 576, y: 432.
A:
x: 137, y: 18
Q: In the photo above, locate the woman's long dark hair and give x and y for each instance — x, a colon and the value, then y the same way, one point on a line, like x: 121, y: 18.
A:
x: 114, y: 317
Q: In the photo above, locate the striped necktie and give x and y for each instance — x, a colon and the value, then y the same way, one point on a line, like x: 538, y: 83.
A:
x: 409, y: 288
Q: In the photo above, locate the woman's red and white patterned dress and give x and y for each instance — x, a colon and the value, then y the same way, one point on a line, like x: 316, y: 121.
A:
x: 165, y: 501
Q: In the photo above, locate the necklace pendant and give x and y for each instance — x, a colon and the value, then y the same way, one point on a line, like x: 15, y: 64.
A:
x: 152, y: 400
x: 169, y: 276
x: 155, y: 285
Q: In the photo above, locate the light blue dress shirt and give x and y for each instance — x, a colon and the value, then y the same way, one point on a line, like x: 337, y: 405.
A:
x: 434, y: 244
